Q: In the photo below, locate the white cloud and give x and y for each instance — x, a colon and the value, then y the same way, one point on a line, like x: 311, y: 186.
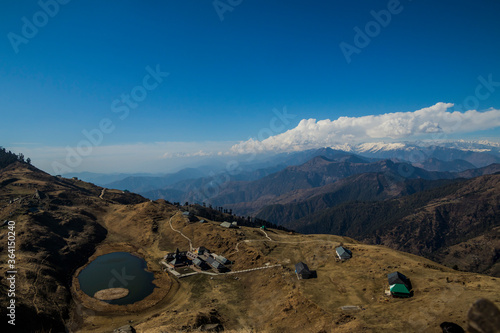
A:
x: 428, y: 122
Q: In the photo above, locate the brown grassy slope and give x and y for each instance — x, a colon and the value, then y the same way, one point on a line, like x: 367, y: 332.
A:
x: 274, y: 300
x: 56, y: 231
x: 73, y: 221
x: 468, y: 218
x: 49, y: 243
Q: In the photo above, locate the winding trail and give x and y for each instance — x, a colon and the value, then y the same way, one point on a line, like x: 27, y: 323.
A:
x: 180, y: 232
x: 265, y: 233
x: 102, y: 193
x: 269, y: 239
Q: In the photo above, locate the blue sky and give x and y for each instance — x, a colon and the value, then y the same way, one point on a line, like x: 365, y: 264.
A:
x: 226, y: 76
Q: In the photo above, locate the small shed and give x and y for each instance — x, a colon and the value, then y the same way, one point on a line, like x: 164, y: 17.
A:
x: 302, y: 271
x: 343, y: 253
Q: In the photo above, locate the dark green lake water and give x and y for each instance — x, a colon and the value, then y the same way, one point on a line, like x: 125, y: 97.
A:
x: 118, y: 270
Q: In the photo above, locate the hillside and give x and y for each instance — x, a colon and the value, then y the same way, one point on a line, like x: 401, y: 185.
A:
x: 61, y: 224
x: 203, y: 188
x: 295, y: 205
x: 431, y: 223
x: 317, y: 172
x: 434, y: 164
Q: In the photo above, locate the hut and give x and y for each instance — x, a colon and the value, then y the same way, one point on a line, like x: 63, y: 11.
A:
x: 400, y: 285
x: 343, y: 253
x: 227, y: 225
x: 302, y: 271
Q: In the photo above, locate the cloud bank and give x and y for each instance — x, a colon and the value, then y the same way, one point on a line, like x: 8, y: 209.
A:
x: 139, y: 157
x: 434, y: 122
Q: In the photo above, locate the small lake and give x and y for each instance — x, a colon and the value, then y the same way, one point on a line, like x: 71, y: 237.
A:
x: 117, y: 270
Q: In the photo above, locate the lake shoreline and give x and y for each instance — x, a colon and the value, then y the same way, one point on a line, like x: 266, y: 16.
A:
x: 161, y: 281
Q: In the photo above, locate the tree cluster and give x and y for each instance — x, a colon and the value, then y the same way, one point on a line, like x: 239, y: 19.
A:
x: 222, y: 214
x: 7, y: 157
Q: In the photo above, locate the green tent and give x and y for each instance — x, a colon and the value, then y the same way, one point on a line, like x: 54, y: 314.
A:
x: 399, y: 290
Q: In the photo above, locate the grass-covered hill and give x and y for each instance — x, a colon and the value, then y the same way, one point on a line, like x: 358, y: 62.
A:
x: 61, y: 224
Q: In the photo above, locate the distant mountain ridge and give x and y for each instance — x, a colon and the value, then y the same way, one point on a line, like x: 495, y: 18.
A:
x: 315, y: 173
x: 432, y: 156
x: 377, y: 186
x: 434, y: 164
x: 248, y: 196
x: 144, y: 183
x: 399, y: 179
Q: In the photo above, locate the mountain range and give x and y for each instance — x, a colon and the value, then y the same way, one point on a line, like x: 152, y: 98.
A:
x: 450, y: 156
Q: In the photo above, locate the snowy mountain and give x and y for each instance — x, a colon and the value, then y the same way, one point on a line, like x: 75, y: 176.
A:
x: 479, y: 153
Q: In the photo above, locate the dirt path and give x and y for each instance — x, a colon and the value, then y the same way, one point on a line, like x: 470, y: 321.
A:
x: 102, y: 193
x: 265, y: 233
x: 269, y: 239
x: 180, y: 232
